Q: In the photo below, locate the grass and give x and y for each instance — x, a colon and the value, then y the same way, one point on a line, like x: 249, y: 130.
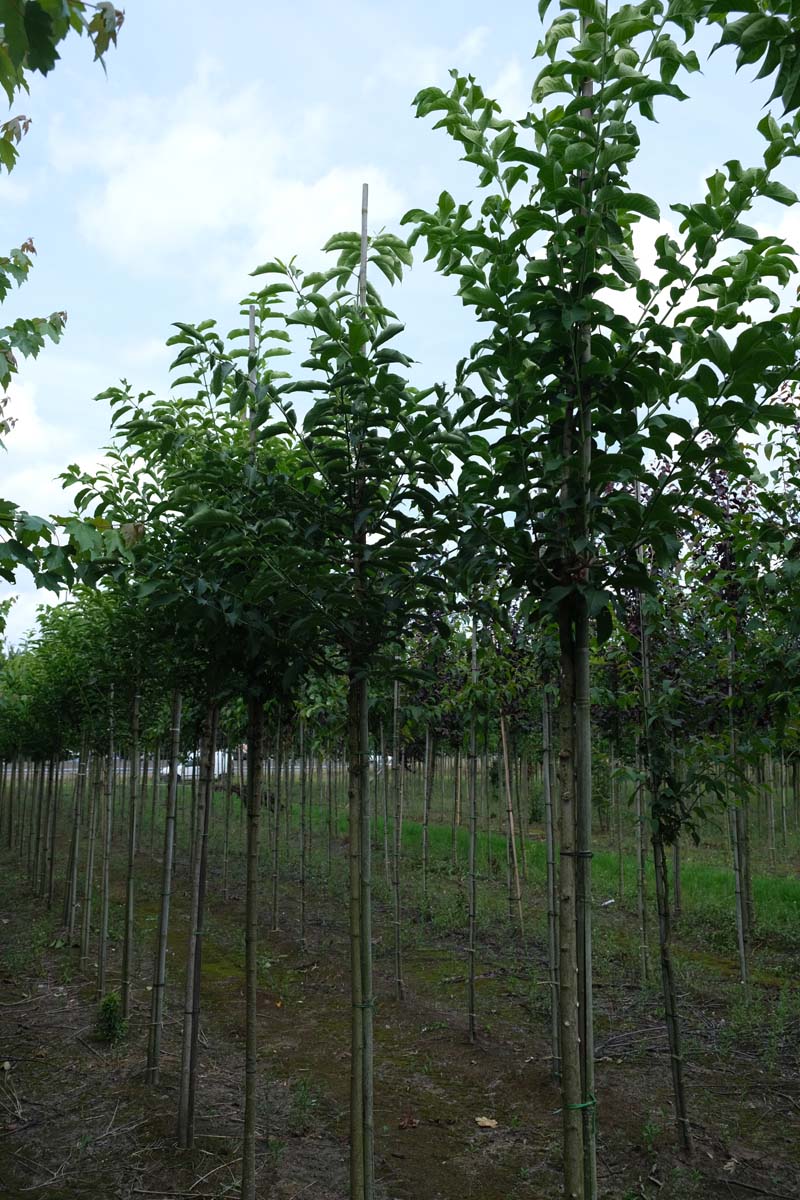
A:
x: 707, y: 886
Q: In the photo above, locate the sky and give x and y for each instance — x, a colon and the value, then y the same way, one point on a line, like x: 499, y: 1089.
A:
x: 224, y: 135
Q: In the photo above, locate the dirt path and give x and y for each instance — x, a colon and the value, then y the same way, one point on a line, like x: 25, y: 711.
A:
x: 77, y: 1122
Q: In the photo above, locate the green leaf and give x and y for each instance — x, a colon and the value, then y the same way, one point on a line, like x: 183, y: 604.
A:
x: 774, y: 190
x: 637, y: 202
x: 42, y: 54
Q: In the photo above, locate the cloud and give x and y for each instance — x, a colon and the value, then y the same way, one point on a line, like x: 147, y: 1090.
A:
x: 22, y: 618
x: 413, y: 66
x: 13, y: 191
x: 200, y: 184
x: 512, y: 90
x: 31, y: 435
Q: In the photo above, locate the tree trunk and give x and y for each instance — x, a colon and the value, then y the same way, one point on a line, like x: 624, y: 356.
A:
x: 387, y: 859
x: 361, y: 1119
x: 512, y: 844
x: 427, y: 791
x: 105, y: 888
x: 160, y: 962
x: 191, y: 1010
x: 397, y: 780
x: 641, y: 891
x: 226, y: 836
x: 86, y: 912
x: 583, y: 813
x: 133, y: 837
x: 552, y: 888
x: 50, y: 833
x: 255, y: 750
x: 569, y: 998
x: 276, y: 826
x: 472, y: 799
x: 670, y: 1002
x: 303, y: 819
x: 617, y: 806
x: 154, y: 789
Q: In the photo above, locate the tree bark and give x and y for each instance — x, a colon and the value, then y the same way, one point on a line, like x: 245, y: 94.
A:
x: 255, y: 750
x: 569, y: 997
x: 128, y: 948
x: 552, y: 888
x: 472, y: 799
x: 160, y: 962
x: 397, y: 781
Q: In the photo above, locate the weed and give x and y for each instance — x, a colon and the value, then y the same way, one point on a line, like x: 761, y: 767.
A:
x: 111, y: 1026
x: 651, y: 1130
x: 304, y: 1099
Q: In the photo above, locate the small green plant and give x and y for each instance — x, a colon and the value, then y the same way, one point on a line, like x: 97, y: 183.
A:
x: 111, y: 1026
x: 650, y: 1131
x: 304, y: 1100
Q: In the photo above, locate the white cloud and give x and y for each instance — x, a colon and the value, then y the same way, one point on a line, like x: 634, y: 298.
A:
x: 414, y: 66
x: 22, y: 618
x: 472, y: 43
x: 12, y: 191
x: 512, y: 90
x: 31, y: 435
x: 203, y: 185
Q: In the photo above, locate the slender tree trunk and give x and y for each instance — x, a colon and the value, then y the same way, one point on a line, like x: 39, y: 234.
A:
x: 41, y: 825
x: 50, y: 832
x: 86, y: 911
x: 357, y: 787
x: 670, y: 999
x: 365, y: 848
x: 276, y: 826
x: 397, y: 779
x: 34, y: 811
x: 641, y: 891
x: 552, y: 888
x: 329, y: 793
x: 742, y: 931
x: 616, y: 801
x: 472, y: 799
x: 204, y: 838
x: 521, y: 822
x: 677, y: 888
x: 191, y: 1025
x: 160, y: 962
x: 255, y: 750
x: 583, y: 783
x: 105, y: 895
x: 654, y: 770
x: 569, y: 997
x: 512, y: 845
x: 128, y: 948
x: 303, y: 819
x: 226, y: 836
x: 387, y: 858
x: 71, y: 876
x: 154, y: 789
x: 769, y: 780
x: 427, y: 790
x: 12, y: 800
x: 456, y: 804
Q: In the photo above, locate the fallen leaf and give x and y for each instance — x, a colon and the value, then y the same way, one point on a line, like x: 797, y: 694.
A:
x: 6, y: 1065
x: 486, y: 1122
x: 730, y: 1166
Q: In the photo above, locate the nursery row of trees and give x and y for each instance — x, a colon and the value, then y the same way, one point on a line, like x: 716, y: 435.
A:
x: 459, y: 734
x: 586, y: 488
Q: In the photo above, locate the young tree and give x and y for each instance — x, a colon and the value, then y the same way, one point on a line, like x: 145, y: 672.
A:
x: 582, y: 400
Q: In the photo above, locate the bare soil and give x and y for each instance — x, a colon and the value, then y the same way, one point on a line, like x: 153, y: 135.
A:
x: 76, y: 1120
